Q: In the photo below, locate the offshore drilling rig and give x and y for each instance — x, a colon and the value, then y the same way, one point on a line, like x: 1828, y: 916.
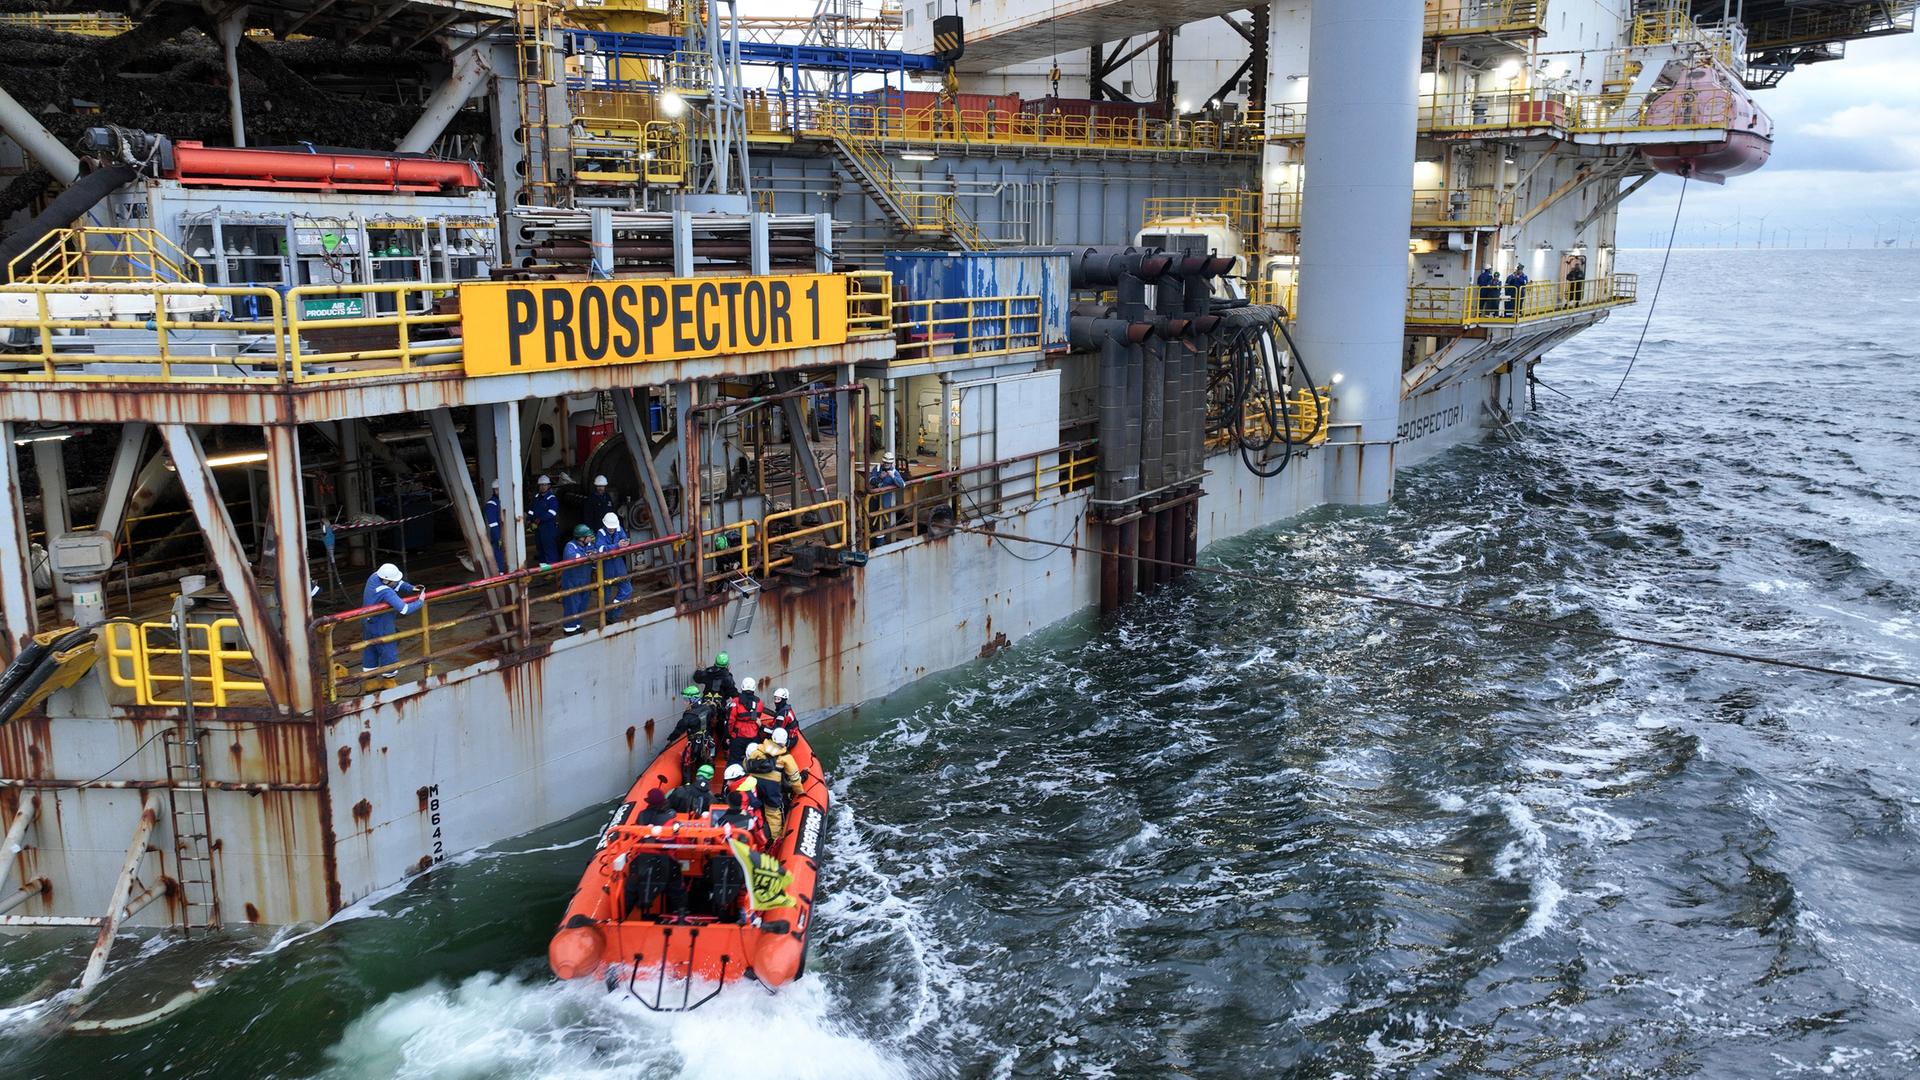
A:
x: 293, y: 291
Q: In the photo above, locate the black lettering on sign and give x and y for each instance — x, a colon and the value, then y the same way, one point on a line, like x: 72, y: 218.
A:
x: 756, y: 314
x: 628, y: 339
x: 779, y: 322
x: 653, y: 313
x: 557, y: 312
x: 730, y: 292
x: 593, y: 323
x: 433, y: 810
x: 1436, y: 421
x: 682, y: 319
x: 522, y: 317
x: 707, y: 295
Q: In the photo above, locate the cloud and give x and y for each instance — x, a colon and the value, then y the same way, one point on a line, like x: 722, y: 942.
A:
x: 1846, y: 151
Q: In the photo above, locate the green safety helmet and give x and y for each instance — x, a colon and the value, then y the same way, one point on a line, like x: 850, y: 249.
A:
x: 691, y: 691
x: 720, y: 660
x: 582, y: 531
x: 704, y: 772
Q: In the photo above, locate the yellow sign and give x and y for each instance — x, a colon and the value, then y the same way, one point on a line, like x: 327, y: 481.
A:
x: 522, y: 326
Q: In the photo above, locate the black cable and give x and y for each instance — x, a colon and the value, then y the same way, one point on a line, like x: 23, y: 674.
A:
x: 1662, y: 280
x: 1491, y: 616
x: 1538, y: 381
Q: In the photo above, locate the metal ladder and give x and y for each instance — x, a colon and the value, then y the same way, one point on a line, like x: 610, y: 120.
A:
x: 192, y: 839
x: 533, y: 47
x: 746, y: 601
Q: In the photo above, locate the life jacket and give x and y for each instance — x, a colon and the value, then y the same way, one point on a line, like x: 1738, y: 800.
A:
x: 781, y: 715
x: 743, y: 720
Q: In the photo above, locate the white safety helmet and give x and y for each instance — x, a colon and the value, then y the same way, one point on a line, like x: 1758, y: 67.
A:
x: 599, y: 481
x: 747, y: 684
x: 388, y: 573
x: 779, y: 736
x: 780, y: 694
x: 544, y: 479
x: 611, y: 521
x: 496, y: 485
x: 887, y: 457
x: 735, y: 772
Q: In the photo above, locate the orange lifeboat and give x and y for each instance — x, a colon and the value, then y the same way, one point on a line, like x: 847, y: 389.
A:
x: 719, y: 939
x: 1704, y: 98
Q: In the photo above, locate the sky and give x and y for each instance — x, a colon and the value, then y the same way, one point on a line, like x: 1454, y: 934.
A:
x: 1846, y: 150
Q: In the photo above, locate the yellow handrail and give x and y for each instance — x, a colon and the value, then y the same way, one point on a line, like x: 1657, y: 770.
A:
x: 1451, y: 17
x: 47, y: 310
x: 128, y: 254
x: 966, y: 326
x: 138, y: 660
x: 833, y: 519
x: 344, y: 307
x: 1475, y: 305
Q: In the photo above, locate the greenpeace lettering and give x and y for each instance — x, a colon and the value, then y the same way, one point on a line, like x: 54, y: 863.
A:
x: 809, y: 845
x: 512, y: 326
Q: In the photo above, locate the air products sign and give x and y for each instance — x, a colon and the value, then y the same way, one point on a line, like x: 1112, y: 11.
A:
x: 514, y: 327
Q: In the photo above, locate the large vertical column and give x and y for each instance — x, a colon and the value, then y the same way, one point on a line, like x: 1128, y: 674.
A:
x: 50, y: 462
x: 504, y: 420
x: 17, y: 617
x: 1356, y: 212
x: 231, y: 29
x: 290, y: 572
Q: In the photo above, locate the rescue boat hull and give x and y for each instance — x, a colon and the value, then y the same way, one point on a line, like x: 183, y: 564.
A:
x: 598, y: 938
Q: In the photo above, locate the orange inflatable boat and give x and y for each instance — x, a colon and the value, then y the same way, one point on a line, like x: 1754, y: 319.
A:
x: 736, y: 907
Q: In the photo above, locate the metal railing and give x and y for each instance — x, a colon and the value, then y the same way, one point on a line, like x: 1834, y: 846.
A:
x: 462, y: 624
x: 1675, y: 109
x: 93, y: 24
x: 1475, y: 305
x: 1272, y: 291
x: 36, y: 320
x: 317, y: 312
x: 1674, y: 26
x: 932, y: 212
x: 1454, y: 17
x: 145, y: 658
x: 160, y: 332
x: 967, y: 494
x: 822, y: 523
x: 103, y: 254
x: 1301, y: 413
x: 932, y: 330
x: 1808, y: 26
x: 950, y: 124
x: 1466, y: 208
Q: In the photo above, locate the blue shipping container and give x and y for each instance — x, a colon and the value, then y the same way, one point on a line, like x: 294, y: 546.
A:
x: 1038, y: 276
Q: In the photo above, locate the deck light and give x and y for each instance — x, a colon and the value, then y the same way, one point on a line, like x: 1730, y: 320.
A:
x: 916, y: 155
x: 672, y: 103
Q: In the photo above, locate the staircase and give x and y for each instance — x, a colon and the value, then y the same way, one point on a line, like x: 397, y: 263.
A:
x: 917, y: 213
x: 200, y: 906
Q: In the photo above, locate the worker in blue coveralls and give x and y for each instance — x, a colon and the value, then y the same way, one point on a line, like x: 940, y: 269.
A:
x: 578, y: 575
x: 613, y: 571
x: 384, y: 587
x: 490, y: 513
x: 599, y: 501
x: 1516, y: 291
x: 1489, y: 283
x: 545, y: 512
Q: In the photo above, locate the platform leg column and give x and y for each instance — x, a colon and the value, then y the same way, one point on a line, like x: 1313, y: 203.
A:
x: 291, y: 574
x: 1356, y: 211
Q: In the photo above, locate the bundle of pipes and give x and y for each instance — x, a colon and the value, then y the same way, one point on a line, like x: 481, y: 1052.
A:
x: 1152, y: 393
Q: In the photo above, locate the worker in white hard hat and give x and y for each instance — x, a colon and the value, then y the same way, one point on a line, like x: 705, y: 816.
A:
x: 544, y: 511
x: 884, y: 484
x: 490, y: 513
x: 780, y: 716
x: 387, y: 590
x: 613, y: 568
x: 743, y: 720
x: 600, y: 502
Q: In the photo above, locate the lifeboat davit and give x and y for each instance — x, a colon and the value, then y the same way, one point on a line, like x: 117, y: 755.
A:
x: 661, y: 952
x: 1705, y: 98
